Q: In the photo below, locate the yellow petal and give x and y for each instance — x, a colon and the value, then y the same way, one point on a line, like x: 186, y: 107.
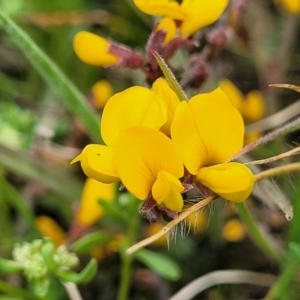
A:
x: 292, y: 6
x: 162, y: 88
x: 97, y: 161
x: 253, y: 107
x: 167, y: 190
x: 207, y: 130
x: 200, y: 13
x: 101, y: 92
x: 134, y: 106
x: 166, y: 8
x: 232, y: 181
x: 187, y: 139
x: 140, y: 154
x: 169, y: 26
x: 49, y: 228
x: 90, y: 210
x: 234, y: 95
x: 92, y: 49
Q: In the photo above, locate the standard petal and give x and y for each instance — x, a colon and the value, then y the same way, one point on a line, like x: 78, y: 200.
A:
x: 140, y: 154
x: 134, y: 106
x: 90, y: 210
x: 200, y: 13
x: 167, y: 190
x: 167, y: 8
x: 92, y: 49
x: 97, y: 161
x: 162, y: 88
x: 232, y: 181
x: 187, y: 139
x: 219, y: 125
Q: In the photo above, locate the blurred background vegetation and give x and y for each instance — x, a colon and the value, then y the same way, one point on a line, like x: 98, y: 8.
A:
x: 40, y: 135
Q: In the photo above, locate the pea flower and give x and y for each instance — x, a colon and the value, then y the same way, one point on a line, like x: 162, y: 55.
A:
x: 148, y: 163
x: 134, y: 106
x: 193, y: 14
x: 207, y: 131
x: 95, y: 50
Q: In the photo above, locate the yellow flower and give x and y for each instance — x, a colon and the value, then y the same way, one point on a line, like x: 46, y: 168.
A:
x: 250, y: 106
x: 292, y: 6
x: 93, y: 49
x: 134, y: 106
x: 207, y: 131
x: 49, y: 228
x: 148, y: 162
x: 233, y: 231
x: 194, y: 14
x: 90, y: 211
x: 101, y: 92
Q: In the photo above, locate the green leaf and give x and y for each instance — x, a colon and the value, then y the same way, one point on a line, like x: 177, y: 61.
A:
x: 84, y: 276
x: 170, y: 77
x: 161, y: 264
x: 57, y: 80
x: 91, y: 240
x: 9, y: 266
x: 48, y: 251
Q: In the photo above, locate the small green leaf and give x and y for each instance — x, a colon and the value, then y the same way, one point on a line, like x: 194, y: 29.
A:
x: 84, y: 276
x: 170, y: 77
x: 47, y: 251
x: 91, y: 240
x: 162, y: 265
x: 9, y: 266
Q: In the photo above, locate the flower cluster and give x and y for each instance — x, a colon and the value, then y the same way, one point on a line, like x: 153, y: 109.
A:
x: 159, y: 147
x: 171, y: 32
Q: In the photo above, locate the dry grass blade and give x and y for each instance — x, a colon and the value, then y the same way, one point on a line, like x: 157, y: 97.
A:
x: 223, y: 277
x: 171, y: 224
x: 295, y: 88
x: 274, y: 158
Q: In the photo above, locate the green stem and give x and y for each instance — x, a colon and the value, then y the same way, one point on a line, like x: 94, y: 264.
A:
x: 281, y: 287
x: 262, y: 241
x: 68, y: 92
x: 11, y: 290
x: 126, y: 265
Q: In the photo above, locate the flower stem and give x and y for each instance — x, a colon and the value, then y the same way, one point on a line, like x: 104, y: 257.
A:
x: 282, y: 285
x: 126, y: 264
x: 260, y: 240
